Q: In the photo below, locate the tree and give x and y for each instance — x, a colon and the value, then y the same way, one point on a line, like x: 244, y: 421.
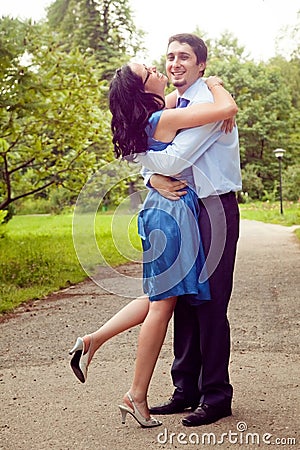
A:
x: 226, y: 48
x: 50, y: 115
x: 252, y: 183
x: 291, y: 183
x: 266, y: 117
x: 291, y: 72
x: 103, y: 27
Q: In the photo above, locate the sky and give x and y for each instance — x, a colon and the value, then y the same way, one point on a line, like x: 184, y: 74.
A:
x: 255, y: 23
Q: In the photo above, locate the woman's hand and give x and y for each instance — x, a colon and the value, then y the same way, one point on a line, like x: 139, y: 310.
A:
x: 213, y: 81
x: 228, y: 125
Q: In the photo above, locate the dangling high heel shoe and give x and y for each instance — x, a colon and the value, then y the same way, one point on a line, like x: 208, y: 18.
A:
x: 80, y: 361
x: 145, y: 423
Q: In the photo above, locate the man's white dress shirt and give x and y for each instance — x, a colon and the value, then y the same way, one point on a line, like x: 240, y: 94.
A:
x: 212, y: 154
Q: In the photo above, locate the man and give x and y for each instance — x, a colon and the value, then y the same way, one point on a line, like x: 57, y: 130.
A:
x: 201, y: 333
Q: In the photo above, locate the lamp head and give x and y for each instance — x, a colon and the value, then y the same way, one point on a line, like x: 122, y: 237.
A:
x: 279, y: 152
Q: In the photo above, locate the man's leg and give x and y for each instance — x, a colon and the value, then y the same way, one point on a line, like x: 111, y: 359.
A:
x: 187, y: 356
x: 214, y: 331
x: 213, y: 323
x: 186, y: 366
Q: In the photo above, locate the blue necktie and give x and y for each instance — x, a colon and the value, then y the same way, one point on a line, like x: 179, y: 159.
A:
x: 182, y: 102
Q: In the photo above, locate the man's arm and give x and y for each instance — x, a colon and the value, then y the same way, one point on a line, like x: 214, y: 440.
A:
x: 185, y: 149
x: 167, y: 187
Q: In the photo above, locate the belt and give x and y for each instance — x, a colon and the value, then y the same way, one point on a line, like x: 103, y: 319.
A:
x: 228, y: 194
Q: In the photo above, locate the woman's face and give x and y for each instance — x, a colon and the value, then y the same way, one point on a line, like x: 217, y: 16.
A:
x: 153, y: 80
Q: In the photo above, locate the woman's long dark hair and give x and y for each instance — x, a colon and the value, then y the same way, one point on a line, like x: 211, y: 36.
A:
x: 131, y: 108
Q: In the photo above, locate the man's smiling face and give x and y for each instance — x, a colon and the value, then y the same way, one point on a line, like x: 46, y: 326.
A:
x: 181, y: 66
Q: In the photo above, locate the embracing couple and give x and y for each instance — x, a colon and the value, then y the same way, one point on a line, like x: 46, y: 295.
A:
x: 187, y: 143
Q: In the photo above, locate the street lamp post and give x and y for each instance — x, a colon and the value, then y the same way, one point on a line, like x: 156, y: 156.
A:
x: 279, y: 152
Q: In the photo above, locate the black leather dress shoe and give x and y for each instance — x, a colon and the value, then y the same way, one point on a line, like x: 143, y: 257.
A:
x: 172, y: 406
x: 206, y: 414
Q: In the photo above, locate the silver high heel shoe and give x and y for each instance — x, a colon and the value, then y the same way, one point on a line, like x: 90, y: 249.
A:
x: 80, y: 361
x: 145, y: 423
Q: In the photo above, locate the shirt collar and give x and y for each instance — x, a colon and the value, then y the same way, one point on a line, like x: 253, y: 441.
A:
x: 190, y: 93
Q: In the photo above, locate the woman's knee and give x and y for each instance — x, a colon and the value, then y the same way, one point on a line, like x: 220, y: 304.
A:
x: 163, y: 308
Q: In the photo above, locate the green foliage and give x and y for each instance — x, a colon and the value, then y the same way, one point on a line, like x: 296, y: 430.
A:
x: 253, y: 187
x: 291, y: 73
x: 252, y: 183
x: 102, y: 27
x: 291, y: 183
x: 3, y: 215
x: 268, y: 115
x: 37, y: 255
x: 59, y: 201
x: 54, y: 119
x: 51, y: 121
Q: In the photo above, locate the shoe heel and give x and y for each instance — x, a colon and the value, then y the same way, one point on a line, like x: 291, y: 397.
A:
x: 78, y: 346
x: 124, y: 413
x: 145, y: 423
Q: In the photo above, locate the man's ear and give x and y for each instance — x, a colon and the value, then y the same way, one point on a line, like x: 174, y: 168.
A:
x: 202, y: 66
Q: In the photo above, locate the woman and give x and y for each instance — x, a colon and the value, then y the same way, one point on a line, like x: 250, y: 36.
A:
x: 140, y: 121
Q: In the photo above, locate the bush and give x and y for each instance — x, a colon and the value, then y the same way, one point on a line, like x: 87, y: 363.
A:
x: 291, y: 183
x: 3, y: 215
x: 252, y: 184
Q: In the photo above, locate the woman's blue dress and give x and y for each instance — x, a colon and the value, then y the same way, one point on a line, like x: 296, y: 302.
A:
x: 173, y: 256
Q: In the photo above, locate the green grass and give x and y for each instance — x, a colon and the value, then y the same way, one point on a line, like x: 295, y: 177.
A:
x: 37, y: 254
x: 269, y: 212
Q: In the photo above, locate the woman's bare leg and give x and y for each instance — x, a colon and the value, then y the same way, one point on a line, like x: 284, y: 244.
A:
x: 151, y: 338
x: 132, y: 314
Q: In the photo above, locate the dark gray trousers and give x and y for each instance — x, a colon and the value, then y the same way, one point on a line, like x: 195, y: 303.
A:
x: 202, y: 333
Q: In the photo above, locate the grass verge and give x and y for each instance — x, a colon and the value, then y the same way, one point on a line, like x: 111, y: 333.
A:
x: 269, y: 212
x: 37, y: 254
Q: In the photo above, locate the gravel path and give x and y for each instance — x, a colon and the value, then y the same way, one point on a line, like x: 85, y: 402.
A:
x: 44, y: 407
